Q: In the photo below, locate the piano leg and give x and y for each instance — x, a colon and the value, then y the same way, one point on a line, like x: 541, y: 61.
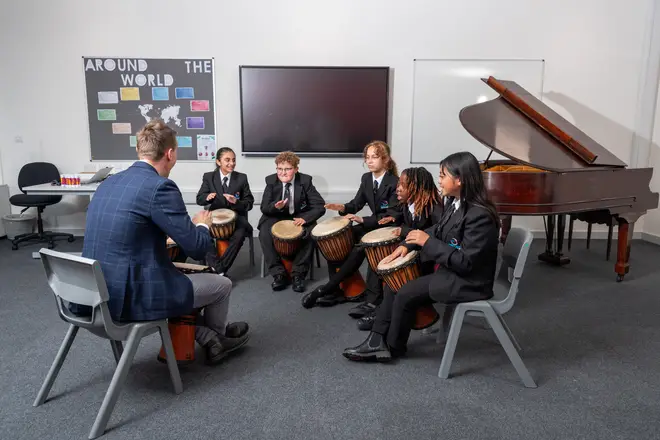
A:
x: 623, y: 248
x: 553, y: 253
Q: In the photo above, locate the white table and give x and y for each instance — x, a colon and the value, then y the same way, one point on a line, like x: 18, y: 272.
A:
x: 49, y: 189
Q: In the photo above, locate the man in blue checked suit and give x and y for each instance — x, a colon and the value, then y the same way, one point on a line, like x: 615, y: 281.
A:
x: 128, y: 220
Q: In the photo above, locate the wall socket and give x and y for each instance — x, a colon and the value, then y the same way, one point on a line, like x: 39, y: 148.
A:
x: 18, y: 139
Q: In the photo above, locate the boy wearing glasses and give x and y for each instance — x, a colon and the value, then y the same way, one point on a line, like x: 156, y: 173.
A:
x: 289, y: 195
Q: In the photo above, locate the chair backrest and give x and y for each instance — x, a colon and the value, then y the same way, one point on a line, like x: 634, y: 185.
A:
x: 36, y: 173
x: 512, y: 264
x: 79, y: 280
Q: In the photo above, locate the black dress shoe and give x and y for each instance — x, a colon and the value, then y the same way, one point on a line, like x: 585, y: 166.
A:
x: 280, y: 281
x: 236, y: 329
x: 366, y: 322
x: 373, y: 348
x: 332, y: 299
x: 219, y: 347
x: 361, y: 310
x: 298, y: 284
x: 309, y: 300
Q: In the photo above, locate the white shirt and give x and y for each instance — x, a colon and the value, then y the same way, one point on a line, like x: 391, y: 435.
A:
x: 222, y: 176
x: 379, y: 179
x: 411, y: 208
x: 457, y: 204
x: 291, y: 196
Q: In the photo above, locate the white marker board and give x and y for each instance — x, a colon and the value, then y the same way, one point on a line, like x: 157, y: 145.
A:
x: 443, y: 87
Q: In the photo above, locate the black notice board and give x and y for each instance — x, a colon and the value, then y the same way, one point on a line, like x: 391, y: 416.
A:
x: 124, y: 93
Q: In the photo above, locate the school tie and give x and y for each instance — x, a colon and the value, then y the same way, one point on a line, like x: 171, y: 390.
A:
x: 375, y: 186
x: 225, y: 187
x: 287, y: 195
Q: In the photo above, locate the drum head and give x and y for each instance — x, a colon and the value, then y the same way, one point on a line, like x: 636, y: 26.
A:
x: 286, y: 230
x: 330, y: 226
x: 398, y: 262
x: 380, y: 235
x: 223, y: 216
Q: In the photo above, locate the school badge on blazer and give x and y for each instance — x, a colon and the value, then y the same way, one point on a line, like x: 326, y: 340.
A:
x: 454, y: 243
x: 238, y: 196
x: 384, y: 204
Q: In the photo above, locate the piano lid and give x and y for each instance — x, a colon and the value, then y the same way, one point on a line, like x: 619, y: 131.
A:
x: 524, y: 129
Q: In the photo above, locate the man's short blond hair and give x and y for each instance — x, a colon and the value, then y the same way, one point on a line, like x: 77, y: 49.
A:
x: 288, y: 156
x: 154, y: 139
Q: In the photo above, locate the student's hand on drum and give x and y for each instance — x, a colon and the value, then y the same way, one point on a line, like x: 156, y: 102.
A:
x: 334, y: 206
x: 355, y: 218
x: 401, y: 251
x: 231, y: 199
x: 417, y: 237
x: 203, y: 217
x: 210, y: 197
x: 281, y: 204
x: 386, y: 220
x: 298, y: 221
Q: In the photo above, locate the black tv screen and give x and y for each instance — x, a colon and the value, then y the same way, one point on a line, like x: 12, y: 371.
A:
x: 313, y: 110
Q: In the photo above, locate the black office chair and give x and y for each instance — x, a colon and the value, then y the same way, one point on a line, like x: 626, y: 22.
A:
x: 36, y: 173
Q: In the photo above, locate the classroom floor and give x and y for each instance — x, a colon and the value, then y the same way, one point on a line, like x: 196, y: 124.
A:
x: 592, y: 345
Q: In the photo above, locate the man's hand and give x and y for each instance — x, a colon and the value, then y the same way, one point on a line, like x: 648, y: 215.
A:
x: 386, y: 220
x: 334, y: 206
x: 417, y: 237
x: 281, y: 204
x: 203, y: 217
x: 231, y: 199
x: 401, y: 251
x: 355, y: 218
x: 298, y: 221
x: 210, y: 197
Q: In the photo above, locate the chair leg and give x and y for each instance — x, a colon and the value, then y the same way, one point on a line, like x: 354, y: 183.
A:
x: 446, y: 322
x: 171, y: 359
x: 452, y: 340
x: 251, y: 238
x: 263, y: 267
x: 57, y: 365
x: 510, y: 350
x: 508, y: 331
x: 318, y: 258
x: 116, y: 384
x: 117, y: 349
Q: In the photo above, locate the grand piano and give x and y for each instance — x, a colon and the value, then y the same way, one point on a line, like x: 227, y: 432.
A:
x: 554, y: 170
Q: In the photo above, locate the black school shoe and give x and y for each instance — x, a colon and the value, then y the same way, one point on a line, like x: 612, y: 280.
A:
x: 280, y: 282
x: 373, y: 348
x: 362, y: 310
x: 332, y: 299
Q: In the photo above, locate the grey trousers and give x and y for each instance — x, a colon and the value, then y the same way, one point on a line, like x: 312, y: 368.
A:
x: 212, y: 295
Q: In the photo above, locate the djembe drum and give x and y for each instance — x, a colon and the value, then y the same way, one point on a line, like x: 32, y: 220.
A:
x: 172, y: 249
x: 182, y: 328
x: 222, y: 228
x: 397, y: 273
x: 286, y: 239
x: 378, y: 244
x: 334, y: 237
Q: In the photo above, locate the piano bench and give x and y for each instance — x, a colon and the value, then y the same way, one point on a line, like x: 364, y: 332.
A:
x: 602, y: 217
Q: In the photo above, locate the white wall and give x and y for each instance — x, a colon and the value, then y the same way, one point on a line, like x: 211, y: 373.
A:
x: 593, y: 51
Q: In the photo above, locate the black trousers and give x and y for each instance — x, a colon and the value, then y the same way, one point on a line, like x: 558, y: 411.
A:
x: 242, y: 230
x: 351, y: 265
x: 302, y: 258
x: 396, y: 315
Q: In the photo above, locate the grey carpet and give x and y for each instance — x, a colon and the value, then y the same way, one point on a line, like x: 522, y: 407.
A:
x: 593, y: 346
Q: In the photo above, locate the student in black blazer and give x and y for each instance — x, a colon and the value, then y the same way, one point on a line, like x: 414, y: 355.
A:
x: 463, y: 246
x: 420, y: 207
x: 226, y: 188
x: 378, y: 191
x: 304, y: 208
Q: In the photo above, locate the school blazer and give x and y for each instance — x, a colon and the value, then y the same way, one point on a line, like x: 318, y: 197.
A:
x: 382, y: 204
x: 407, y: 223
x: 308, y: 203
x: 468, y: 273
x: 238, y: 187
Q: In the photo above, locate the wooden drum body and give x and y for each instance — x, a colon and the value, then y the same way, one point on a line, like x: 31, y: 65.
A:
x: 224, y: 223
x: 399, y: 272
x: 286, y: 239
x: 378, y: 244
x: 334, y: 237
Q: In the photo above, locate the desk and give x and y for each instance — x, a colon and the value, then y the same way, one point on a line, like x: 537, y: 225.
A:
x: 47, y: 189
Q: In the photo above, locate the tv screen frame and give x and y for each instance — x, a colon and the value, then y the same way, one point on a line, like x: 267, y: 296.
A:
x: 326, y: 153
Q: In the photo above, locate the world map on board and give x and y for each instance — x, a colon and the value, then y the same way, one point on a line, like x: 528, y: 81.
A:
x: 167, y: 114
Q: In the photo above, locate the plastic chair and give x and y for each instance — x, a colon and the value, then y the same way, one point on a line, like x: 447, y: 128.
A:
x: 514, y: 256
x: 79, y: 280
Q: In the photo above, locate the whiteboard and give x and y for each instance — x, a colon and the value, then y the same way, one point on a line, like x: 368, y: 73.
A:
x: 441, y: 88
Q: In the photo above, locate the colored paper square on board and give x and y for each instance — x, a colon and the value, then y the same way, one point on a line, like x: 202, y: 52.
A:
x: 130, y: 93
x: 184, y: 93
x: 160, y: 93
x: 195, y: 123
x: 133, y: 141
x: 121, y: 128
x: 108, y: 98
x: 106, y: 114
x: 199, y: 106
x: 184, y: 141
